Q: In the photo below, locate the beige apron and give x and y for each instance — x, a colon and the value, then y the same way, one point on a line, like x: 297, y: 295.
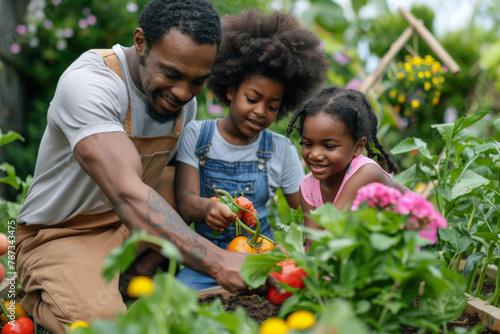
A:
x: 59, y: 284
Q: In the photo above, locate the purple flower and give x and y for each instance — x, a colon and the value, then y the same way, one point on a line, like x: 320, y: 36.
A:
x: 21, y: 29
x: 15, y: 48
x: 47, y: 24
x: 56, y: 2
x: 91, y: 19
x: 86, y: 11
x: 341, y: 58
x: 82, y: 24
x: 132, y: 7
x: 216, y: 109
x: 354, y: 84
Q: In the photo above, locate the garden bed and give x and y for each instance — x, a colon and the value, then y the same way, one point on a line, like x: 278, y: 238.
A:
x: 259, y: 309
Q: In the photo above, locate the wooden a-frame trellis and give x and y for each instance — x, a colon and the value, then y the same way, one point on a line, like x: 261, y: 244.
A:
x: 416, y: 26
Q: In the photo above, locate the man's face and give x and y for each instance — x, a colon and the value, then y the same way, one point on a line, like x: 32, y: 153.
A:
x: 173, y: 72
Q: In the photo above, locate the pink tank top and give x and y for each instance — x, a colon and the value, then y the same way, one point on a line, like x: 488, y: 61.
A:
x: 310, y: 187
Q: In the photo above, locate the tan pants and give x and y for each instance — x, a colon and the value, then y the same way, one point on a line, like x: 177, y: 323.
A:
x: 60, y: 270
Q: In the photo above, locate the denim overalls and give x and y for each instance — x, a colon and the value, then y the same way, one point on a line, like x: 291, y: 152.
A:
x: 248, y: 176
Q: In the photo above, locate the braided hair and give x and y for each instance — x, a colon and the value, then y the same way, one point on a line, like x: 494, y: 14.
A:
x: 353, y: 109
x: 197, y: 19
x: 276, y: 45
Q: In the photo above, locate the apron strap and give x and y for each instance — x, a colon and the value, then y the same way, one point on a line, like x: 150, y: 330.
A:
x: 204, y: 141
x: 111, y: 60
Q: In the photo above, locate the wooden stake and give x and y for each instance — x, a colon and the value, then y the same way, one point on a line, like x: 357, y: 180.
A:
x: 370, y: 80
x: 431, y: 41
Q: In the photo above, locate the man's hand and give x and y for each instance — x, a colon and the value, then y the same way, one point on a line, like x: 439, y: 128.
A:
x: 229, y: 277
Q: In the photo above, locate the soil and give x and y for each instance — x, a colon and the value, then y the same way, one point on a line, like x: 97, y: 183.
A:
x: 260, y: 309
x: 256, y: 308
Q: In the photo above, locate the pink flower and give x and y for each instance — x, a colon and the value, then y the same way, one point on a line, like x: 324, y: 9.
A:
x: 354, y: 84
x: 82, y: 24
x: 421, y: 214
x: 216, y: 109
x: 91, y: 19
x: 47, y: 24
x: 15, y: 48
x: 21, y: 29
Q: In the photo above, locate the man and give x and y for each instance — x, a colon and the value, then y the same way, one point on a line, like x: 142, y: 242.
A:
x: 100, y: 168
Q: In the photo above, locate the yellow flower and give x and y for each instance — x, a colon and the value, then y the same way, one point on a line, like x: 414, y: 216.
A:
x: 401, y: 98
x: 427, y: 85
x: 209, y: 96
x: 437, y: 93
x: 420, y: 187
x: 415, y: 104
x: 78, y: 324
x: 411, y: 77
x: 435, y: 100
x: 300, y: 320
x: 421, y: 75
x: 140, y: 286
x: 435, y: 80
x: 441, y: 79
x: 273, y: 326
x: 393, y: 93
x: 436, y: 66
x: 429, y: 59
x: 427, y: 74
x: 417, y: 60
x: 401, y: 75
x: 408, y: 67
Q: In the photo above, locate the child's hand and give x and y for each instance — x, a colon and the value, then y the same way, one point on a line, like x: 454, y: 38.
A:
x: 219, y: 216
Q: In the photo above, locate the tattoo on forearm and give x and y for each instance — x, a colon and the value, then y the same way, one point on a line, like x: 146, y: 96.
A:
x: 173, y: 222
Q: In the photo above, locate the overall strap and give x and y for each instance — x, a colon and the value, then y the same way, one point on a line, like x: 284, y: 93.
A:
x: 265, y: 145
x: 204, y: 140
x: 265, y: 148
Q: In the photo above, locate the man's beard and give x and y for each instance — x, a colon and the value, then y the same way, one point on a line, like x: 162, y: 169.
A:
x: 159, y: 118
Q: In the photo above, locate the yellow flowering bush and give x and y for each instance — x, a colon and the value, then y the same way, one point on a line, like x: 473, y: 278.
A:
x: 415, y: 83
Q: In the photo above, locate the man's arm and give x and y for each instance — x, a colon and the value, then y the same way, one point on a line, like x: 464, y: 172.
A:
x: 111, y: 160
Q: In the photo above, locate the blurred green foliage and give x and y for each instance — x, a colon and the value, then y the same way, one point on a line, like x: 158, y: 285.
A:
x: 58, y: 31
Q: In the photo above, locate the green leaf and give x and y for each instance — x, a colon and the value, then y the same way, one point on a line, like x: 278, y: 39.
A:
x: 468, y: 182
x: 471, y: 263
x: 256, y: 268
x: 11, y: 177
x: 10, y: 137
x: 121, y: 257
x: 411, y: 144
x: 382, y: 242
x: 292, y: 240
x: 464, y: 122
x: 457, y: 237
x: 446, y: 131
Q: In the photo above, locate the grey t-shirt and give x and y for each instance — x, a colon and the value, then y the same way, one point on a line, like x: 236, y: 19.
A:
x: 89, y: 99
x: 284, y: 168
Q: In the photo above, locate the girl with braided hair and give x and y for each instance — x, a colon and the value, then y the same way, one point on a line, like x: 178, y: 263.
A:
x: 267, y: 65
x: 335, y: 126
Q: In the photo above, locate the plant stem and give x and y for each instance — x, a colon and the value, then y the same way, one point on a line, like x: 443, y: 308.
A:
x: 496, y: 294
x: 480, y: 282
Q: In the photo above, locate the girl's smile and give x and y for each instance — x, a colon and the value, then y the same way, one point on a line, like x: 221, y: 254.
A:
x: 327, y: 146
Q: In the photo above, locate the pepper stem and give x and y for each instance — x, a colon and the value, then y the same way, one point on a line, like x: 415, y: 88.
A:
x: 256, y: 234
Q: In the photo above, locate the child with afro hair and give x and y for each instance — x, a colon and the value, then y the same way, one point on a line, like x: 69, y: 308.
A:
x: 267, y: 65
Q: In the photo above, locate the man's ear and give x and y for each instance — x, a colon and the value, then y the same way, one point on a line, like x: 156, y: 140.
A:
x: 139, y: 42
x: 360, y: 145
x: 230, y: 93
